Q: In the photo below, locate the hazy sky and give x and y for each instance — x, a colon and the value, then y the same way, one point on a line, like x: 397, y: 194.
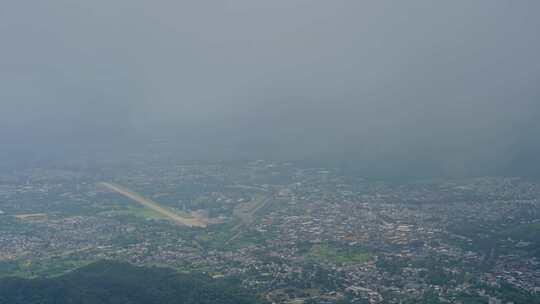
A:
x: 445, y: 84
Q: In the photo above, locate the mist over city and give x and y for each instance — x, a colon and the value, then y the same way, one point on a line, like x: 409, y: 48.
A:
x: 450, y: 87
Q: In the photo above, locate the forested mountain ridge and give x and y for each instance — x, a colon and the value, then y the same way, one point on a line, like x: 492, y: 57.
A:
x: 109, y: 282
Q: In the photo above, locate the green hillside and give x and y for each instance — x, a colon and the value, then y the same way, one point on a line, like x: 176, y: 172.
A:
x: 119, y: 283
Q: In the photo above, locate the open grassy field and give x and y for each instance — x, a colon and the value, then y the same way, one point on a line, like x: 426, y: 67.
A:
x: 138, y: 212
x: 324, y: 253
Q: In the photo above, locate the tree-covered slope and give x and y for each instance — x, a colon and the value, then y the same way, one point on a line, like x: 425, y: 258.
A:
x: 119, y: 283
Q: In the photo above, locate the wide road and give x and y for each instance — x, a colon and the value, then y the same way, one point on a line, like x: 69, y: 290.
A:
x: 150, y: 204
x: 246, y: 214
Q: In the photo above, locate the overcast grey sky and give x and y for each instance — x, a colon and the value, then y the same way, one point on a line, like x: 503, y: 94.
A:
x: 442, y: 83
